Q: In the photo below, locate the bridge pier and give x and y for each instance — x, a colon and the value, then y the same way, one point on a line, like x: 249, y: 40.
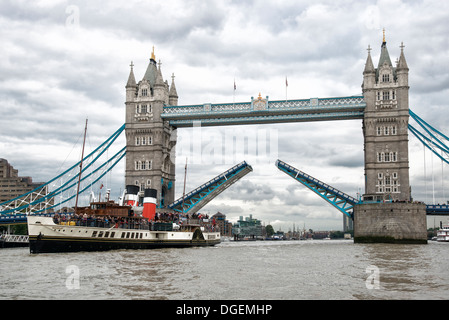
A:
x: 391, y: 222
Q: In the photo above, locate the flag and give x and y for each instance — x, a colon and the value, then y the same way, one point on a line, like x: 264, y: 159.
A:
x: 235, y: 87
x: 286, y: 82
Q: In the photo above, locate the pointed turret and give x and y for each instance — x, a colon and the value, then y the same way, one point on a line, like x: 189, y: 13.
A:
x: 131, y: 79
x: 402, y: 69
x: 131, y: 86
x: 159, y: 78
x: 369, y: 74
x: 385, y: 66
x: 151, y: 73
x: 384, y: 55
x: 160, y: 87
x: 173, y: 94
x: 402, y: 64
x: 369, y: 66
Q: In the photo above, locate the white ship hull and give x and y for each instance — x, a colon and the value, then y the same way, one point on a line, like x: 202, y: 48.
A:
x: 47, y: 236
x: 443, y: 234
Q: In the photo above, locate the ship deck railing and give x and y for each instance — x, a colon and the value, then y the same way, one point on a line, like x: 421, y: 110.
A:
x: 14, y: 238
x: 136, y: 223
x: 96, y: 222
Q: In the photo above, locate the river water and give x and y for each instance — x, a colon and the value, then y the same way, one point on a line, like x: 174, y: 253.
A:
x: 252, y: 270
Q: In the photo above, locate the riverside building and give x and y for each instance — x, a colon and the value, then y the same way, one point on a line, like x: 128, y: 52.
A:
x: 12, y: 185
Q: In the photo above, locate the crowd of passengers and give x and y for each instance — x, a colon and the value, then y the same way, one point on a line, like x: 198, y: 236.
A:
x: 133, y: 222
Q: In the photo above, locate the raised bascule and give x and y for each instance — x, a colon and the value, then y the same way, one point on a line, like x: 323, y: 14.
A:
x: 385, y: 213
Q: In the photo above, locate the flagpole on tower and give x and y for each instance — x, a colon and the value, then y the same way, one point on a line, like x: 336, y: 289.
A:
x: 286, y: 86
x: 233, y: 101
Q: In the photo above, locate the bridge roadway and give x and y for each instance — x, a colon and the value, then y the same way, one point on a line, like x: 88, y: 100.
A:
x: 261, y: 110
x: 193, y: 201
x: 340, y: 200
x: 437, y: 210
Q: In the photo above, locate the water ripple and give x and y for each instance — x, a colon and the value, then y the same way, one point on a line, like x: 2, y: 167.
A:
x: 275, y: 270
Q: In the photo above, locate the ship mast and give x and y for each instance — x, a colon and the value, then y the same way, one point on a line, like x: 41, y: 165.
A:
x: 81, y: 168
x: 184, y: 191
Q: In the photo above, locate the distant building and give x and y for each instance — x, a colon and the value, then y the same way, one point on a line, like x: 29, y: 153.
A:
x: 12, y: 185
x: 348, y: 223
x: 224, y: 225
x: 248, y: 228
x: 320, y: 234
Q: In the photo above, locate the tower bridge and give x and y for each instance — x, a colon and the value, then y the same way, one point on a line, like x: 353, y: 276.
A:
x: 261, y: 111
x: 153, y: 114
x: 385, y: 213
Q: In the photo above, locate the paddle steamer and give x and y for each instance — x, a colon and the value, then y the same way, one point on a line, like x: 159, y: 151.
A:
x: 108, y: 226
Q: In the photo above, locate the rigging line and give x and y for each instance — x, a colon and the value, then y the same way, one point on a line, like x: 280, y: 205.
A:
x: 425, y: 173
x: 440, y: 144
x: 419, y: 135
x: 54, y: 193
x: 88, y: 142
x: 114, y: 136
x: 81, y: 168
x: 84, y: 189
x: 73, y: 147
x: 442, y: 182
x: 424, y: 124
x: 415, y: 116
x: 421, y: 138
x: 433, y: 180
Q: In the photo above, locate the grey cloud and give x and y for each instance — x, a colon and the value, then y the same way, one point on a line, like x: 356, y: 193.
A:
x: 353, y: 160
x: 248, y: 191
x: 32, y: 11
x: 162, y: 22
x: 229, y: 210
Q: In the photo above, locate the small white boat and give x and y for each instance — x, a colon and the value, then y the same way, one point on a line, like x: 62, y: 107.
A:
x: 443, y: 233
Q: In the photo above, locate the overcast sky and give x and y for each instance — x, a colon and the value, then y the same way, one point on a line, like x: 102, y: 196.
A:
x: 64, y: 61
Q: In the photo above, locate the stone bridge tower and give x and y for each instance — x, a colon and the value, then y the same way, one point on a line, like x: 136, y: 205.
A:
x: 385, y: 127
x: 150, y: 140
x: 385, y: 130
